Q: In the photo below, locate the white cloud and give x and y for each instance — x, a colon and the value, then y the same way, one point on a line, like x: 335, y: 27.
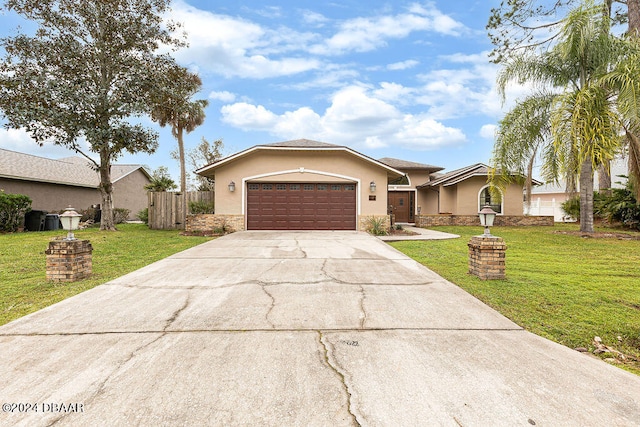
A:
x: 404, y: 65
x: 224, y: 96
x: 235, y: 47
x: 488, y: 131
x: 366, y: 34
x: 20, y: 141
x: 355, y: 117
x: 314, y: 18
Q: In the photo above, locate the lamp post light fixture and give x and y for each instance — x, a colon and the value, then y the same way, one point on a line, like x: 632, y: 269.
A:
x: 372, y: 186
x: 232, y: 186
x: 487, y: 216
x: 70, y: 220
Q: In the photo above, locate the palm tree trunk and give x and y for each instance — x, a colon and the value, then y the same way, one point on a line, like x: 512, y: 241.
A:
x: 604, y: 177
x: 586, y: 197
x: 634, y: 17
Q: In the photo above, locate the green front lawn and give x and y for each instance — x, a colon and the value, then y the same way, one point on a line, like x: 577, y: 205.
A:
x: 564, y: 287
x: 24, y: 288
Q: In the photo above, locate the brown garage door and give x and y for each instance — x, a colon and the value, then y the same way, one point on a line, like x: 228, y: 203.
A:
x: 301, y: 206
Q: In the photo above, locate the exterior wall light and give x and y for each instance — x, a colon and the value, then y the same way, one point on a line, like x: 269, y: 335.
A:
x: 372, y: 186
x: 487, y: 216
x: 70, y: 220
x: 232, y: 186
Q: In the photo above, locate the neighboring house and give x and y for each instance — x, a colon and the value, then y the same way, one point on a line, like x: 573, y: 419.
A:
x: 311, y: 185
x: 548, y: 199
x: 53, y: 185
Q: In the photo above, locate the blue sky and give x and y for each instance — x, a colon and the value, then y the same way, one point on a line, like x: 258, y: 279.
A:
x: 404, y: 79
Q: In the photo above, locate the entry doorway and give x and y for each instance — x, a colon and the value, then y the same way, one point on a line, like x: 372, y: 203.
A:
x: 401, y: 204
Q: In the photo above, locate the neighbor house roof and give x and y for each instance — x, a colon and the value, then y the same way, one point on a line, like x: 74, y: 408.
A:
x: 298, y: 145
x: 407, y: 165
x: 75, y: 171
x: 459, y: 175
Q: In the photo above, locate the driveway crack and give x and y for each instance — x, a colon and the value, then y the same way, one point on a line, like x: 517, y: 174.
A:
x: 263, y: 286
x: 363, y: 315
x: 333, y: 365
x: 177, y: 313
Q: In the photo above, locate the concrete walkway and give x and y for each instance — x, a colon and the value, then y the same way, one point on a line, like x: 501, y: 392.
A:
x: 421, y: 234
x: 295, y: 329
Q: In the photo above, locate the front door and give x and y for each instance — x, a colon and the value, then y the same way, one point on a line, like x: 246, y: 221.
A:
x: 400, y: 204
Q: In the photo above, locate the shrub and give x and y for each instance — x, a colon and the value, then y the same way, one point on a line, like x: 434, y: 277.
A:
x: 572, y: 207
x: 143, y: 215
x: 120, y: 215
x: 377, y: 226
x: 13, y: 207
x: 201, y: 207
x: 619, y: 206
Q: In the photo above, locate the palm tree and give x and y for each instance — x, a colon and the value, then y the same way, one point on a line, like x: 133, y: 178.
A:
x: 175, y: 108
x: 575, y: 127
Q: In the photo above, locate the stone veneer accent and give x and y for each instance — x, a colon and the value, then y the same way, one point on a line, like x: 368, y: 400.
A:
x: 363, y: 221
x: 487, y: 257
x: 69, y: 260
x: 501, y: 220
x: 209, y: 222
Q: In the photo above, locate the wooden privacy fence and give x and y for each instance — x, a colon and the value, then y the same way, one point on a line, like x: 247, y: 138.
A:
x: 169, y: 210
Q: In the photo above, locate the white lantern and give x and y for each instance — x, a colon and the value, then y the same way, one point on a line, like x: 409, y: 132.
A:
x: 70, y: 220
x: 487, y: 216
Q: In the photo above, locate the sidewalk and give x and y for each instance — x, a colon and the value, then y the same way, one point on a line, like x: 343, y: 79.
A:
x: 423, y: 234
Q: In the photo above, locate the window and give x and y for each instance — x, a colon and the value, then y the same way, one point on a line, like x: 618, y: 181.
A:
x: 281, y: 187
x: 308, y: 187
x: 294, y: 187
x: 350, y: 187
x: 486, y: 198
x: 267, y: 186
x: 336, y: 187
x: 322, y: 187
x: 254, y: 186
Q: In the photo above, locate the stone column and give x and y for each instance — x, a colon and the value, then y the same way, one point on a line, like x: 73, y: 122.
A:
x: 69, y: 260
x: 487, y: 257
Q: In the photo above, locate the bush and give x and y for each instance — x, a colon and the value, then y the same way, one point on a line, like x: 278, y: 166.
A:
x: 619, y: 206
x: 377, y: 226
x: 143, y: 215
x: 120, y: 215
x: 201, y: 207
x: 572, y: 207
x: 13, y: 207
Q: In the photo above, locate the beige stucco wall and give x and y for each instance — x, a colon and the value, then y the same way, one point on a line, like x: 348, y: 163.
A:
x: 463, y: 198
x: 52, y: 197
x: 318, y: 166
x: 428, y: 201
x: 129, y: 193
x: 468, y: 194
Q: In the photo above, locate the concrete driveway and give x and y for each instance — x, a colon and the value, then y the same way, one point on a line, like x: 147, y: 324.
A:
x: 295, y: 328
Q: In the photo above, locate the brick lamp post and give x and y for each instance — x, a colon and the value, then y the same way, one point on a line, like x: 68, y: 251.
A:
x: 487, y: 252
x: 69, y: 259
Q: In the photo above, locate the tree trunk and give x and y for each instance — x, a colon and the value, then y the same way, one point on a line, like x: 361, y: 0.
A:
x: 586, y: 197
x: 604, y: 178
x: 183, y: 174
x: 106, y: 190
x: 634, y: 17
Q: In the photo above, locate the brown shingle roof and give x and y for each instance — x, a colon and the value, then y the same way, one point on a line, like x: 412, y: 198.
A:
x: 301, y: 143
x: 406, y: 165
x: 74, y: 171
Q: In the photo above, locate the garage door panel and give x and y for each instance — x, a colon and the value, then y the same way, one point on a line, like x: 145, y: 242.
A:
x: 304, y: 206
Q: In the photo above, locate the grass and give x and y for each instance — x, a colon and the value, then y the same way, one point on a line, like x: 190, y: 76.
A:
x: 564, y: 287
x: 24, y: 288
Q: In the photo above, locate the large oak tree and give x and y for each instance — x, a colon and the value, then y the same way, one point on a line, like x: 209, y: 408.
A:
x: 89, y: 69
